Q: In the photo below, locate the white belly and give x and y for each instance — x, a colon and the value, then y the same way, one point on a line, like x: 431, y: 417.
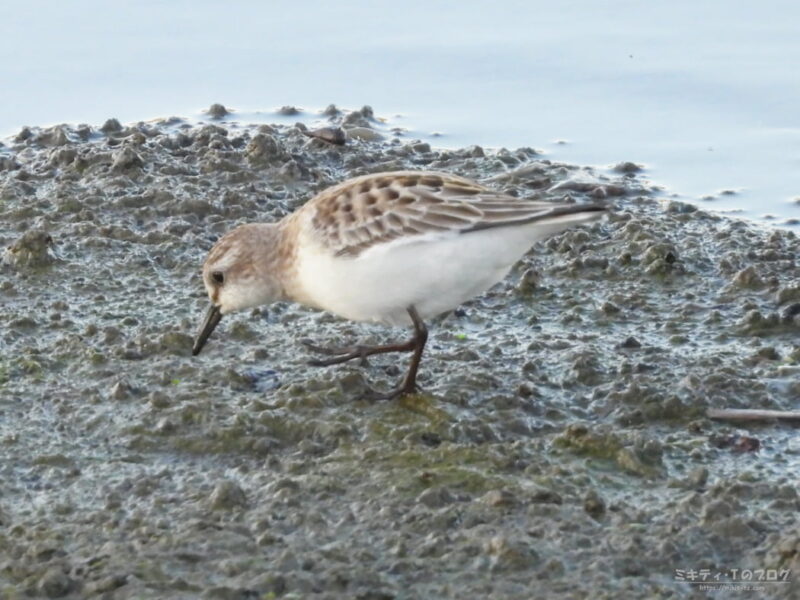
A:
x: 434, y: 275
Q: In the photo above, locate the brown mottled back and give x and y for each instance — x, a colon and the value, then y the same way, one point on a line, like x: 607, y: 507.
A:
x: 360, y: 213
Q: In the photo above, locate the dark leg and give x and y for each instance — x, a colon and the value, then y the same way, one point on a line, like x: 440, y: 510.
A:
x: 341, y: 355
x: 415, y: 344
x: 409, y: 384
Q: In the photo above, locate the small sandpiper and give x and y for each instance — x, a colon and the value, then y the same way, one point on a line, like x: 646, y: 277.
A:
x: 396, y: 248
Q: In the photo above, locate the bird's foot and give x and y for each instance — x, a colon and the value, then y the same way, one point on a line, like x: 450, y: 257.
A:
x: 338, y: 355
x: 327, y: 362
x: 327, y: 350
x: 341, y: 355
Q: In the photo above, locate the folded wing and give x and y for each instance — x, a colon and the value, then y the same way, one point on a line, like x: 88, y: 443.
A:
x: 384, y: 208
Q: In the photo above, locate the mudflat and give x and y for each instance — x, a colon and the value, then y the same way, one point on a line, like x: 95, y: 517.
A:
x: 560, y: 446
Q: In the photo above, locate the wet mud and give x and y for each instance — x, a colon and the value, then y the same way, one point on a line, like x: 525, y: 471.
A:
x: 560, y: 447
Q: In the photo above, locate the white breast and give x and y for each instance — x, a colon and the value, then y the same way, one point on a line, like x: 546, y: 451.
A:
x: 434, y: 273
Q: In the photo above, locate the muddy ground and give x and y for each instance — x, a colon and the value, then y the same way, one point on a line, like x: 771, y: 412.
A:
x: 560, y: 449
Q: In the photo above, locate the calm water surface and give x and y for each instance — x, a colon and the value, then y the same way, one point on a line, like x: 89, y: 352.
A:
x: 705, y: 94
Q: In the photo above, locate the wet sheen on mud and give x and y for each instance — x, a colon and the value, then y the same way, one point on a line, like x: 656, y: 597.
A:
x: 560, y: 444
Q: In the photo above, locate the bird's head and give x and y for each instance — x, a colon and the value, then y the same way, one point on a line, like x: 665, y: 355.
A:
x: 240, y: 272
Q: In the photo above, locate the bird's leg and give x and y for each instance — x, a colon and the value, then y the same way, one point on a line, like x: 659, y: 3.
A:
x: 327, y: 350
x: 417, y: 344
x: 341, y: 355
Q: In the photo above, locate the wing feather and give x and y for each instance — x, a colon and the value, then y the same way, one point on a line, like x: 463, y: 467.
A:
x: 364, y: 212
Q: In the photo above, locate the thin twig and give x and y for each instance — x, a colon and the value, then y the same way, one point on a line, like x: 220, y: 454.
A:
x: 752, y: 414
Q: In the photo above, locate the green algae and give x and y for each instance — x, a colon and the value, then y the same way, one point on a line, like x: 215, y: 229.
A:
x: 610, y: 447
x: 456, y: 467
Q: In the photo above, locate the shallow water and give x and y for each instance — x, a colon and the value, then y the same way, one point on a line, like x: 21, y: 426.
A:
x: 704, y: 95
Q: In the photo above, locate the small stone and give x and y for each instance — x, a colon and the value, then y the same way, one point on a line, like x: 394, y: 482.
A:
x: 120, y: 391
x: 631, y: 342
x: 227, y: 495
x: 53, y: 136
x: 261, y: 380
x: 681, y: 208
x: 609, y: 308
x: 23, y: 323
x: 594, y: 262
x: 790, y: 313
x: 217, y: 111
x: 331, y: 135
x: 436, y: 497
x: 264, y: 148
x: 165, y: 426
x: 110, y: 335
x: 31, y: 249
x: 126, y: 159
x: 509, y: 554
x: 84, y: 132
x: 542, y: 495
x: 627, y: 167
x: 55, y: 583
x: 697, y: 478
x: 767, y: 353
x: 111, y: 126
x: 291, y: 171
x: 430, y: 438
x: 500, y: 497
x: 422, y: 147
x: 748, y: 278
x: 594, y: 505
x: 288, y: 111
x: 528, y: 282
x: 788, y: 292
x: 739, y: 443
x: 8, y: 164
x: 756, y: 323
x: 63, y: 157
x: 664, y: 254
x: 176, y: 342
x: 24, y: 134
x: 267, y: 539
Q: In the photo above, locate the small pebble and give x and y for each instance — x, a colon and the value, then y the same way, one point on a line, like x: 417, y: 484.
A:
x: 331, y: 135
x: 227, y: 495
x: 217, y: 111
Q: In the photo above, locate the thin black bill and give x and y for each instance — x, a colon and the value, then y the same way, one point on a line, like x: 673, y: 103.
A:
x: 213, y: 317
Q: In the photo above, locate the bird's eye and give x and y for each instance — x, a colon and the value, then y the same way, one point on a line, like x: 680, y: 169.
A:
x: 218, y: 277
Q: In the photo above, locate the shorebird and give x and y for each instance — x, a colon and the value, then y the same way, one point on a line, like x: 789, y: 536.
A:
x: 396, y: 248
